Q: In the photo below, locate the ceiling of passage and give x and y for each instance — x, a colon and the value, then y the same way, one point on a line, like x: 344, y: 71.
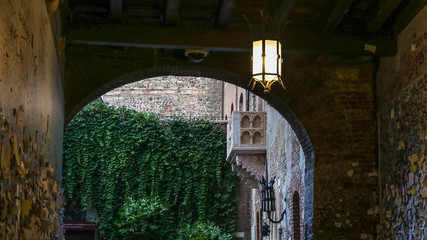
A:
x: 322, y: 26
x: 109, y: 39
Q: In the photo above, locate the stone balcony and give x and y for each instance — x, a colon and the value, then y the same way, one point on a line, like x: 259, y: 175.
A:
x: 246, y: 148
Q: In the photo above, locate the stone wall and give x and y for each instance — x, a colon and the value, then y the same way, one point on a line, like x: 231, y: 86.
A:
x: 402, y: 93
x: 286, y: 162
x: 171, y: 96
x: 31, y: 123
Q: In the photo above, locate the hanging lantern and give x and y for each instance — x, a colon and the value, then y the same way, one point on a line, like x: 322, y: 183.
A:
x: 266, y: 63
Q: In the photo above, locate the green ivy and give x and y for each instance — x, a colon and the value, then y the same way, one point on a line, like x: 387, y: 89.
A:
x: 203, y: 231
x: 138, y: 217
x: 113, y: 154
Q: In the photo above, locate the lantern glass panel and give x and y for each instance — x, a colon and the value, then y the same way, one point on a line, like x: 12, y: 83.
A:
x: 257, y: 57
x: 270, y: 77
x: 279, y: 60
x: 270, y: 57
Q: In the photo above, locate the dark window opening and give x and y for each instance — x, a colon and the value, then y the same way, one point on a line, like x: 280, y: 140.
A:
x: 241, y: 102
x: 296, y: 216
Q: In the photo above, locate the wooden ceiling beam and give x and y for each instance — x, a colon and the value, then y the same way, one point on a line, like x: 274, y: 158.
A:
x: 225, y: 12
x: 91, y: 9
x: 294, y: 41
x: 172, y: 12
x: 336, y: 15
x: 385, y: 9
x: 410, y: 11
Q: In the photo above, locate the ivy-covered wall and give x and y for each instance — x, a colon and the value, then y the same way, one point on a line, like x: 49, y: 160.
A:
x: 402, y: 91
x: 31, y: 123
x: 113, y: 154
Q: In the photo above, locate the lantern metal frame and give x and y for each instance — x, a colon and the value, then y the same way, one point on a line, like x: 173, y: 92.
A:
x: 268, y: 200
x: 261, y: 77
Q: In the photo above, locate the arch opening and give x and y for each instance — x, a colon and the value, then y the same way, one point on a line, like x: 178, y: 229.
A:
x: 278, y: 104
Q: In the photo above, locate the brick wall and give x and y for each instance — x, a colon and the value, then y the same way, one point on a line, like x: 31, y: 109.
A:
x: 296, y: 186
x: 346, y: 177
x: 402, y: 91
x: 287, y: 163
x: 170, y: 95
x: 230, y: 100
x: 239, y: 99
x: 31, y: 123
x: 243, y: 223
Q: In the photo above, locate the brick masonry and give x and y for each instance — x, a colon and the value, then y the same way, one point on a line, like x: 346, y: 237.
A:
x: 243, y: 223
x: 345, y: 178
x: 287, y: 163
x: 171, y: 96
x: 402, y: 91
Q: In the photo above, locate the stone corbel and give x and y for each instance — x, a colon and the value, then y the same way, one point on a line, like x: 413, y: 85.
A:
x: 245, y: 176
x: 250, y: 168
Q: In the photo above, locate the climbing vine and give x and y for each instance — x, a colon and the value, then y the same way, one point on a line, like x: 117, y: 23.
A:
x: 114, y: 154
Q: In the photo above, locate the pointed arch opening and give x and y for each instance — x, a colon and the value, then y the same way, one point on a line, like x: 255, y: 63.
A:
x: 296, y: 216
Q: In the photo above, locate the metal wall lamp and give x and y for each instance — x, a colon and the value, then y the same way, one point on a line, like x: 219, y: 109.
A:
x: 268, y: 199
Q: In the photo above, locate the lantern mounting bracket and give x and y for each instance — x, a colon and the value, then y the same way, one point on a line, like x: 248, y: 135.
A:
x: 276, y: 221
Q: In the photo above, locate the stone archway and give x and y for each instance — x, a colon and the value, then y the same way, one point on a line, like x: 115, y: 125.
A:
x: 329, y: 101
x: 226, y: 77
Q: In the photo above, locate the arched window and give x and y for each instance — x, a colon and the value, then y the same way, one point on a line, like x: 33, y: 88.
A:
x: 247, y: 101
x: 241, y: 102
x: 296, y: 216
